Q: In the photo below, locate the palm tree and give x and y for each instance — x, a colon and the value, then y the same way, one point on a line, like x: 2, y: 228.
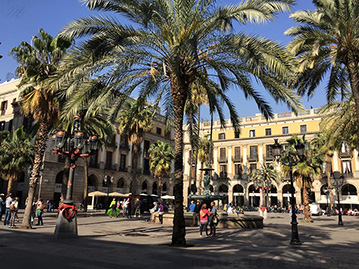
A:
x: 16, y: 154
x: 135, y: 119
x: 264, y: 176
x: 161, y: 159
x: 204, y: 147
x: 37, y: 62
x: 326, y: 43
x: 177, y: 43
x: 307, y: 167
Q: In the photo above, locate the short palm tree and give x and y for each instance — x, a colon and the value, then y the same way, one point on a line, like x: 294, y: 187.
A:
x: 16, y: 154
x: 161, y: 159
x: 326, y: 43
x: 38, y: 61
x: 173, y: 44
x: 265, y: 177
x: 135, y: 120
x: 307, y: 167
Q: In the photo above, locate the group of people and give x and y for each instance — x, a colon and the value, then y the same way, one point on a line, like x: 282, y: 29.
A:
x: 204, y: 217
x: 126, y: 206
x: 9, y: 207
x: 157, y: 210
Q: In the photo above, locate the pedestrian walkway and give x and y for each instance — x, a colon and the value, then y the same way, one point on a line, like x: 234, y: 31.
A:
x: 134, y: 243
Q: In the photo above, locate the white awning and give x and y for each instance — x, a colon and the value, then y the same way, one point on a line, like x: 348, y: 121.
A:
x: 97, y: 193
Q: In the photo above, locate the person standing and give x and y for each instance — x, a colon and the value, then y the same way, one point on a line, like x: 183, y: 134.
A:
x: 2, y: 206
x: 129, y: 208
x: 39, y: 211
x: 213, y: 220
x: 112, y: 210
x: 138, y: 208
x: 203, y: 219
x: 8, y: 202
x: 118, y: 210
x: 197, y: 209
x: 50, y: 202
x: 192, y: 206
x: 13, y: 209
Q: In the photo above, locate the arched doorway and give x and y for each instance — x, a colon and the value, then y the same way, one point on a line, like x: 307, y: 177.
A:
x: 254, y: 196
x: 59, y: 189
x: 144, y: 187
x: 164, y: 189
x: 154, y: 188
x: 223, y: 191
x: 192, y: 189
x: 286, y: 195
x: 273, y: 196
x: 92, y: 183
x: 349, y: 196
x: 121, y: 185
x: 238, y: 195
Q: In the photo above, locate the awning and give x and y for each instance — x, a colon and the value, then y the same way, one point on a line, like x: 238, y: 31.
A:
x: 97, y: 193
x: 169, y: 197
x: 118, y: 194
x: 352, y: 199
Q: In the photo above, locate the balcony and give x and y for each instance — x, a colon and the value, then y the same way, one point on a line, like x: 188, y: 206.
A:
x: 191, y: 161
x: 269, y: 158
x: 122, y: 169
x: 223, y: 175
x: 222, y: 159
x: 237, y: 176
x: 348, y: 154
x: 237, y: 159
x: 253, y: 158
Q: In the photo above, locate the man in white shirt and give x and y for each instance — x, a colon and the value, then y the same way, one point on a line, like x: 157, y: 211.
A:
x: 8, y: 202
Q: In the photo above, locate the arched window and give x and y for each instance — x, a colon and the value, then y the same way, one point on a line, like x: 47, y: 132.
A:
x: 164, y: 187
x: 144, y: 186
x: 92, y: 181
x: 273, y: 189
x: 286, y: 188
x: 252, y: 189
x: 223, y: 188
x: 238, y: 188
x: 349, y: 189
x: 121, y: 183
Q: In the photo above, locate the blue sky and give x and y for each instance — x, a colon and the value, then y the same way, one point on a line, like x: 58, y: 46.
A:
x: 21, y: 19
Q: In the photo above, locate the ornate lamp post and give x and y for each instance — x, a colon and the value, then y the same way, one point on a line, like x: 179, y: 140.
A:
x: 337, y: 183
x: 290, y: 162
x: 74, y: 146
x: 108, y: 182
x: 327, y: 191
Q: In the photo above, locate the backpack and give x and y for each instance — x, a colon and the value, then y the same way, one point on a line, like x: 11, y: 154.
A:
x: 12, y: 207
x: 42, y: 207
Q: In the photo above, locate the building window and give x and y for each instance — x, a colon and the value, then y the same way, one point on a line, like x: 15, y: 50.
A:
x: 237, y: 134
x: 238, y: 169
x: 93, y: 160
x: 123, y: 162
x: 252, y: 167
x: 146, y: 147
x: 345, y: 148
x: 168, y: 134
x: 223, y: 171
x: 222, y: 153
x: 146, y: 166
x: 346, y: 167
x: 158, y: 131
x: 253, y: 153
x: 303, y: 129
x: 237, y: 152
x: 108, y: 160
x: 269, y: 153
x: 252, y: 133
x: 221, y: 136
x: 268, y: 131
x: 285, y: 130
x: 3, y: 107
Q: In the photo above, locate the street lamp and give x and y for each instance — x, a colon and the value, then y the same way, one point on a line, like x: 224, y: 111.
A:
x: 73, y: 145
x: 290, y: 162
x: 327, y: 191
x: 338, y: 182
x: 108, y: 182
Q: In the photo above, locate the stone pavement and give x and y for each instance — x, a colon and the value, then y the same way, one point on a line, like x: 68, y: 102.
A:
x: 134, y: 243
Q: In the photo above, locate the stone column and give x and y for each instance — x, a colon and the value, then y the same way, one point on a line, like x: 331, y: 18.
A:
x: 356, y: 164
x: 215, y: 160
x: 141, y: 156
x: 280, y: 196
x: 129, y: 161
x: 102, y: 157
x: 230, y: 172
x: 260, y: 154
x: 245, y: 159
x: 117, y: 151
x: 335, y: 161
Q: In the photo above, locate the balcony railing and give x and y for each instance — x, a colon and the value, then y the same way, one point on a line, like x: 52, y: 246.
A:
x: 348, y: 154
x: 253, y: 158
x: 222, y: 159
x: 223, y: 175
x: 237, y: 159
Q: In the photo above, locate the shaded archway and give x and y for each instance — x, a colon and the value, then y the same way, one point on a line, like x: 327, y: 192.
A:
x: 92, y: 183
x: 121, y: 184
x: 164, y: 189
x: 238, y: 195
x: 254, y: 196
x: 272, y: 196
x: 286, y: 193
x: 192, y: 189
x: 154, y: 188
x: 59, y: 189
x: 223, y: 190
x: 144, y: 187
x: 349, y: 189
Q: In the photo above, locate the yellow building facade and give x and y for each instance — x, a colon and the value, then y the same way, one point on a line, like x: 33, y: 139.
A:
x: 235, y: 155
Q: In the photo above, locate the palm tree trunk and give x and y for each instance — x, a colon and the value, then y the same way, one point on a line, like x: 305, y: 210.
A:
x: 200, y: 180
x: 330, y: 185
x: 40, y: 146
x: 9, y: 184
x: 179, y: 97
x: 307, y: 215
x: 86, y: 174
x: 211, y: 149
x: 159, y: 189
x: 196, y: 160
x: 354, y: 81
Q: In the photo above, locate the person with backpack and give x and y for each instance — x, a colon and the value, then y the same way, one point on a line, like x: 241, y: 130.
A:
x: 213, y: 220
x: 13, y: 209
x: 39, y: 211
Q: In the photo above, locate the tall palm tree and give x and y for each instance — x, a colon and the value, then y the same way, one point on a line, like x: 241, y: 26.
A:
x: 204, y: 147
x: 263, y: 175
x: 175, y: 43
x: 38, y: 61
x: 135, y: 120
x: 307, y: 167
x: 16, y: 154
x: 161, y: 159
x: 326, y: 43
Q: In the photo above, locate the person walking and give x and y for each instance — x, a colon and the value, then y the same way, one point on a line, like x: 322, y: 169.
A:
x: 112, y: 209
x: 13, y: 209
x: 118, y: 208
x: 203, y: 219
x: 124, y: 205
x: 39, y: 211
x: 2, y: 206
x: 8, y: 202
x: 138, y: 208
x: 213, y: 220
x: 129, y: 208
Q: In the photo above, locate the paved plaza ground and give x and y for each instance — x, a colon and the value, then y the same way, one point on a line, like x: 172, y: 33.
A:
x: 134, y: 243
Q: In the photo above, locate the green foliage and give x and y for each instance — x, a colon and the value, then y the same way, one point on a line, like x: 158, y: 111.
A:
x: 265, y: 173
x: 204, y: 148
x: 16, y: 154
x: 161, y: 158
